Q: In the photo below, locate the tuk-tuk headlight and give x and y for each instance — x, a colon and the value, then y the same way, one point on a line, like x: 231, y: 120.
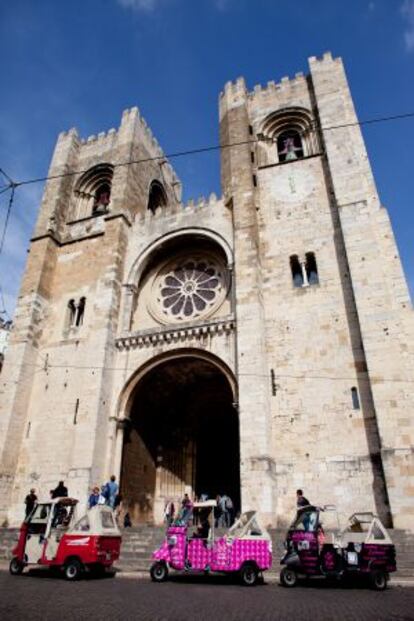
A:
x: 172, y: 540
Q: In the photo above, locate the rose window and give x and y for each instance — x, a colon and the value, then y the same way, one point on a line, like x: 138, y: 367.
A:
x: 189, y: 288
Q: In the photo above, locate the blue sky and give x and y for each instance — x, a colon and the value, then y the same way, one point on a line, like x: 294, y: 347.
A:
x: 80, y: 63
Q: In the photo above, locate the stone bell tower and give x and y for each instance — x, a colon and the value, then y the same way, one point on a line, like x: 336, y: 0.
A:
x: 324, y: 318
x: 54, y: 413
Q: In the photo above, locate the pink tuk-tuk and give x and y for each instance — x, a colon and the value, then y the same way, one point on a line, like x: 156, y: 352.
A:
x: 245, y: 549
x: 53, y: 535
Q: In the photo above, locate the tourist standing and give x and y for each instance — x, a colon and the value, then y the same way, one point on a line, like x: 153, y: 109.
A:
x: 111, y: 491
x: 230, y: 511
x: 224, y: 512
x: 169, y: 512
x: 186, y: 509
x: 94, y: 497
x: 30, y: 501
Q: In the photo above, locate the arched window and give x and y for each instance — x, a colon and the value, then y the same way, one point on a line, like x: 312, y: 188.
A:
x: 75, y: 313
x: 156, y: 197
x: 71, y: 314
x: 311, y: 269
x: 292, y: 130
x: 80, y: 312
x: 289, y: 145
x: 296, y: 268
x: 93, y: 191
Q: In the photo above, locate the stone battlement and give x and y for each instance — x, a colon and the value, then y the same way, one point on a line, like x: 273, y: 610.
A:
x: 239, y: 86
x: 191, y: 206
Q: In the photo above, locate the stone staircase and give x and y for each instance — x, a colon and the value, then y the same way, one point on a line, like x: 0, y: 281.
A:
x: 139, y: 542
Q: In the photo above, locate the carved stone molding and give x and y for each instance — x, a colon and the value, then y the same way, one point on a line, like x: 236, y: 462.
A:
x: 172, y: 334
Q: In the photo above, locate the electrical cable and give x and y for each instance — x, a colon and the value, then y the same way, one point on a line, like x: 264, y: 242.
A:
x: 206, y: 149
x: 302, y: 376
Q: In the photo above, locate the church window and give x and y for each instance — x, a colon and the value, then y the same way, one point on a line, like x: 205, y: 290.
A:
x: 255, y: 181
x: 93, y: 191
x: 80, y: 311
x: 289, y: 145
x: 311, y: 269
x: 189, y: 287
x: 157, y: 196
x: 286, y: 135
x: 355, y: 398
x: 296, y: 268
x: 304, y: 273
x: 71, y: 313
x: 75, y: 313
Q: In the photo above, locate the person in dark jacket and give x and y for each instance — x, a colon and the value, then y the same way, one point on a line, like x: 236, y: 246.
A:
x: 30, y: 502
x: 301, y: 501
x: 60, y: 491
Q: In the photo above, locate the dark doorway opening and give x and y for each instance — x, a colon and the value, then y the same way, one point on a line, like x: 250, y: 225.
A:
x: 183, y: 437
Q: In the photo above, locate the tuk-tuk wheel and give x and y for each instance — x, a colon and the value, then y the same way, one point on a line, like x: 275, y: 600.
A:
x: 378, y: 580
x: 16, y: 567
x: 288, y: 577
x: 73, y: 569
x: 159, y: 572
x: 248, y: 574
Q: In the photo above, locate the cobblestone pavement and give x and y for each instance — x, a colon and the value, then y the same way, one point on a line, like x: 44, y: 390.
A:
x: 38, y: 595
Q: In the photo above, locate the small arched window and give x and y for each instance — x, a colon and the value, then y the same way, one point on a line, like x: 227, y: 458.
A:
x: 289, y: 145
x: 93, y: 191
x: 80, y: 312
x: 311, y: 269
x: 296, y: 269
x: 71, y: 314
x: 156, y: 197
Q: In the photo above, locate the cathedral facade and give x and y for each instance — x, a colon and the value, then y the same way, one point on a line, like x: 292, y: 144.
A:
x: 249, y: 344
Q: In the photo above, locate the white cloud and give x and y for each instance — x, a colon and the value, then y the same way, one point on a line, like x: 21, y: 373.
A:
x: 407, y: 10
x: 147, y: 6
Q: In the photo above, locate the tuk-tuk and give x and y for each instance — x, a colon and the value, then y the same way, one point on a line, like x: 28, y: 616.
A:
x: 316, y: 546
x: 52, y: 535
x: 245, y: 549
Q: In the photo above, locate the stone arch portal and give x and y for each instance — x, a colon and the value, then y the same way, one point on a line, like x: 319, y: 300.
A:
x: 182, y: 436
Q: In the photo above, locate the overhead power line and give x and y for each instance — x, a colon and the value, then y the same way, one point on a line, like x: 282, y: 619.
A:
x: 206, y: 149
x: 298, y: 376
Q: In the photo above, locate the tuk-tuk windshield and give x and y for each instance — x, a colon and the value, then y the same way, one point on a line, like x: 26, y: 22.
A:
x: 306, y: 520
x: 248, y: 526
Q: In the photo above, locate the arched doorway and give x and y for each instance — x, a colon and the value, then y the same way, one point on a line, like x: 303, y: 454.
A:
x: 183, y: 436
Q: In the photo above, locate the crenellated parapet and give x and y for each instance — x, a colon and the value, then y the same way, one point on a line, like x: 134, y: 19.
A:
x: 202, y: 205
